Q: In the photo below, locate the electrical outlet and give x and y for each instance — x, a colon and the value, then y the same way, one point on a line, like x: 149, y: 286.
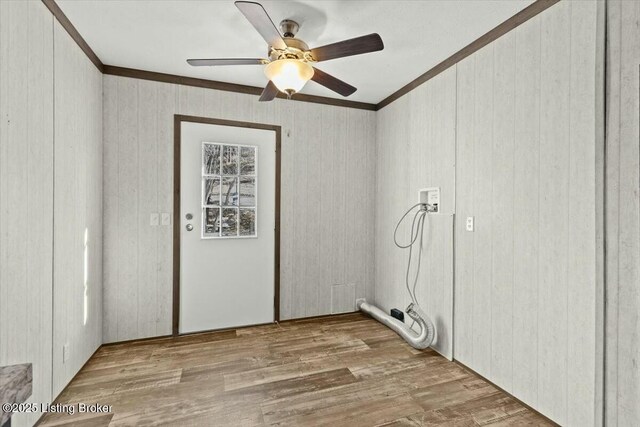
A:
x: 65, y: 353
x: 154, y: 219
x: 470, y: 224
x: 166, y: 218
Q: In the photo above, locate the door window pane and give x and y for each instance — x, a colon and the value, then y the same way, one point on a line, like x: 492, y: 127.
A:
x: 229, y: 222
x: 211, y: 195
x: 211, y: 224
x: 247, y: 160
x: 247, y: 222
x: 211, y: 159
x: 230, y: 191
x: 229, y: 180
x: 229, y: 160
x: 247, y: 191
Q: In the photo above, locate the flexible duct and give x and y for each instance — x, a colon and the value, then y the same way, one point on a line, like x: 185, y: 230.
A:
x: 416, y: 340
x: 427, y: 333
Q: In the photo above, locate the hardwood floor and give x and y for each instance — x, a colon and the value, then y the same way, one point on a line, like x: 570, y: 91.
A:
x: 345, y: 370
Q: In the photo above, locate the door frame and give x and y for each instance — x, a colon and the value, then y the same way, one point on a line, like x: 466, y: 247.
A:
x: 178, y: 119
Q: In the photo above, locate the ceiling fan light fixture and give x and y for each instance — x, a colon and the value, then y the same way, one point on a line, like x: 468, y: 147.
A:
x: 289, y: 75
x: 287, y: 66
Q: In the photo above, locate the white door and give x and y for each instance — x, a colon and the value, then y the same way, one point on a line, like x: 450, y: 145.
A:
x: 227, y: 203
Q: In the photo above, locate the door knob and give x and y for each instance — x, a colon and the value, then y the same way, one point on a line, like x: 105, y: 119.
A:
x: 189, y: 227
x: 188, y: 216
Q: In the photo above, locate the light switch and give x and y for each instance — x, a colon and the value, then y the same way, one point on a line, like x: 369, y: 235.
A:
x: 153, y: 219
x: 166, y: 218
x: 469, y: 223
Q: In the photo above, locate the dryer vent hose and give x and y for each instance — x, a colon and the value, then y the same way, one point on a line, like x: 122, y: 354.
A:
x: 427, y: 333
x: 416, y: 340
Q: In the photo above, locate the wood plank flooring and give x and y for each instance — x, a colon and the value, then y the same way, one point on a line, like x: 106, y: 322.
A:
x: 344, y: 370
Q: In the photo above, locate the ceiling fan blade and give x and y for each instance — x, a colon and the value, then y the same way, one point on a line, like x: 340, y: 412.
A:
x: 224, y: 61
x: 261, y: 21
x: 330, y: 82
x: 269, y: 92
x: 357, y: 46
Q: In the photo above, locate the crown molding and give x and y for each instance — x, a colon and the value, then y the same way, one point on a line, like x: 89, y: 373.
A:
x: 75, y: 35
x: 229, y: 87
x: 183, y: 80
x: 516, y: 20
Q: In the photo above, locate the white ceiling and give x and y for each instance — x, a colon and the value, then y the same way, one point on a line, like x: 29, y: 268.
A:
x: 160, y: 35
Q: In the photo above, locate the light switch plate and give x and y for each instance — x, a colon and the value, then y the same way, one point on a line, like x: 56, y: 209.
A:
x: 154, y: 219
x: 65, y: 353
x: 166, y: 218
x: 470, y: 223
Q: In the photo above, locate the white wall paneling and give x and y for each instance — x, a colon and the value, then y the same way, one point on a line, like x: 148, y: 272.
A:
x: 26, y: 192
x: 526, y: 200
x: 50, y: 192
x: 526, y: 290
x: 77, y: 268
x: 416, y: 149
x: 510, y: 135
x: 623, y: 214
x: 502, y: 205
x: 327, y: 199
x: 553, y: 215
x: 585, y: 303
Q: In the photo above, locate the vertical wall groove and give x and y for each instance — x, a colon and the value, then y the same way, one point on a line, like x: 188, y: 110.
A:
x: 53, y: 192
x: 622, y: 214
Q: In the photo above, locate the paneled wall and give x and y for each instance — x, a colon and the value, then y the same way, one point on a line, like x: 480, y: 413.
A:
x: 623, y: 214
x: 513, y: 137
x: 510, y: 135
x: 416, y: 139
x: 328, y: 184
x: 26, y: 192
x: 77, y: 268
x: 527, y: 279
x: 50, y: 192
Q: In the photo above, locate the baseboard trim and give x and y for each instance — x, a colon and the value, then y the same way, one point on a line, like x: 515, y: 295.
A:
x: 319, y: 317
x: 213, y: 331
x: 136, y: 340
x: 67, y: 386
x: 465, y: 367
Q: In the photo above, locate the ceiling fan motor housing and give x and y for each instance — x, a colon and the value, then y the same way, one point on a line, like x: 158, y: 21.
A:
x: 296, y: 49
x: 289, y: 28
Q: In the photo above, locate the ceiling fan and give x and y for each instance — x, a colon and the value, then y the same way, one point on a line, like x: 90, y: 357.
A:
x: 288, y: 66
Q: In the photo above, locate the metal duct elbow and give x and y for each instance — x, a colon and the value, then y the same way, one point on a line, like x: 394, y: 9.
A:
x: 416, y: 340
